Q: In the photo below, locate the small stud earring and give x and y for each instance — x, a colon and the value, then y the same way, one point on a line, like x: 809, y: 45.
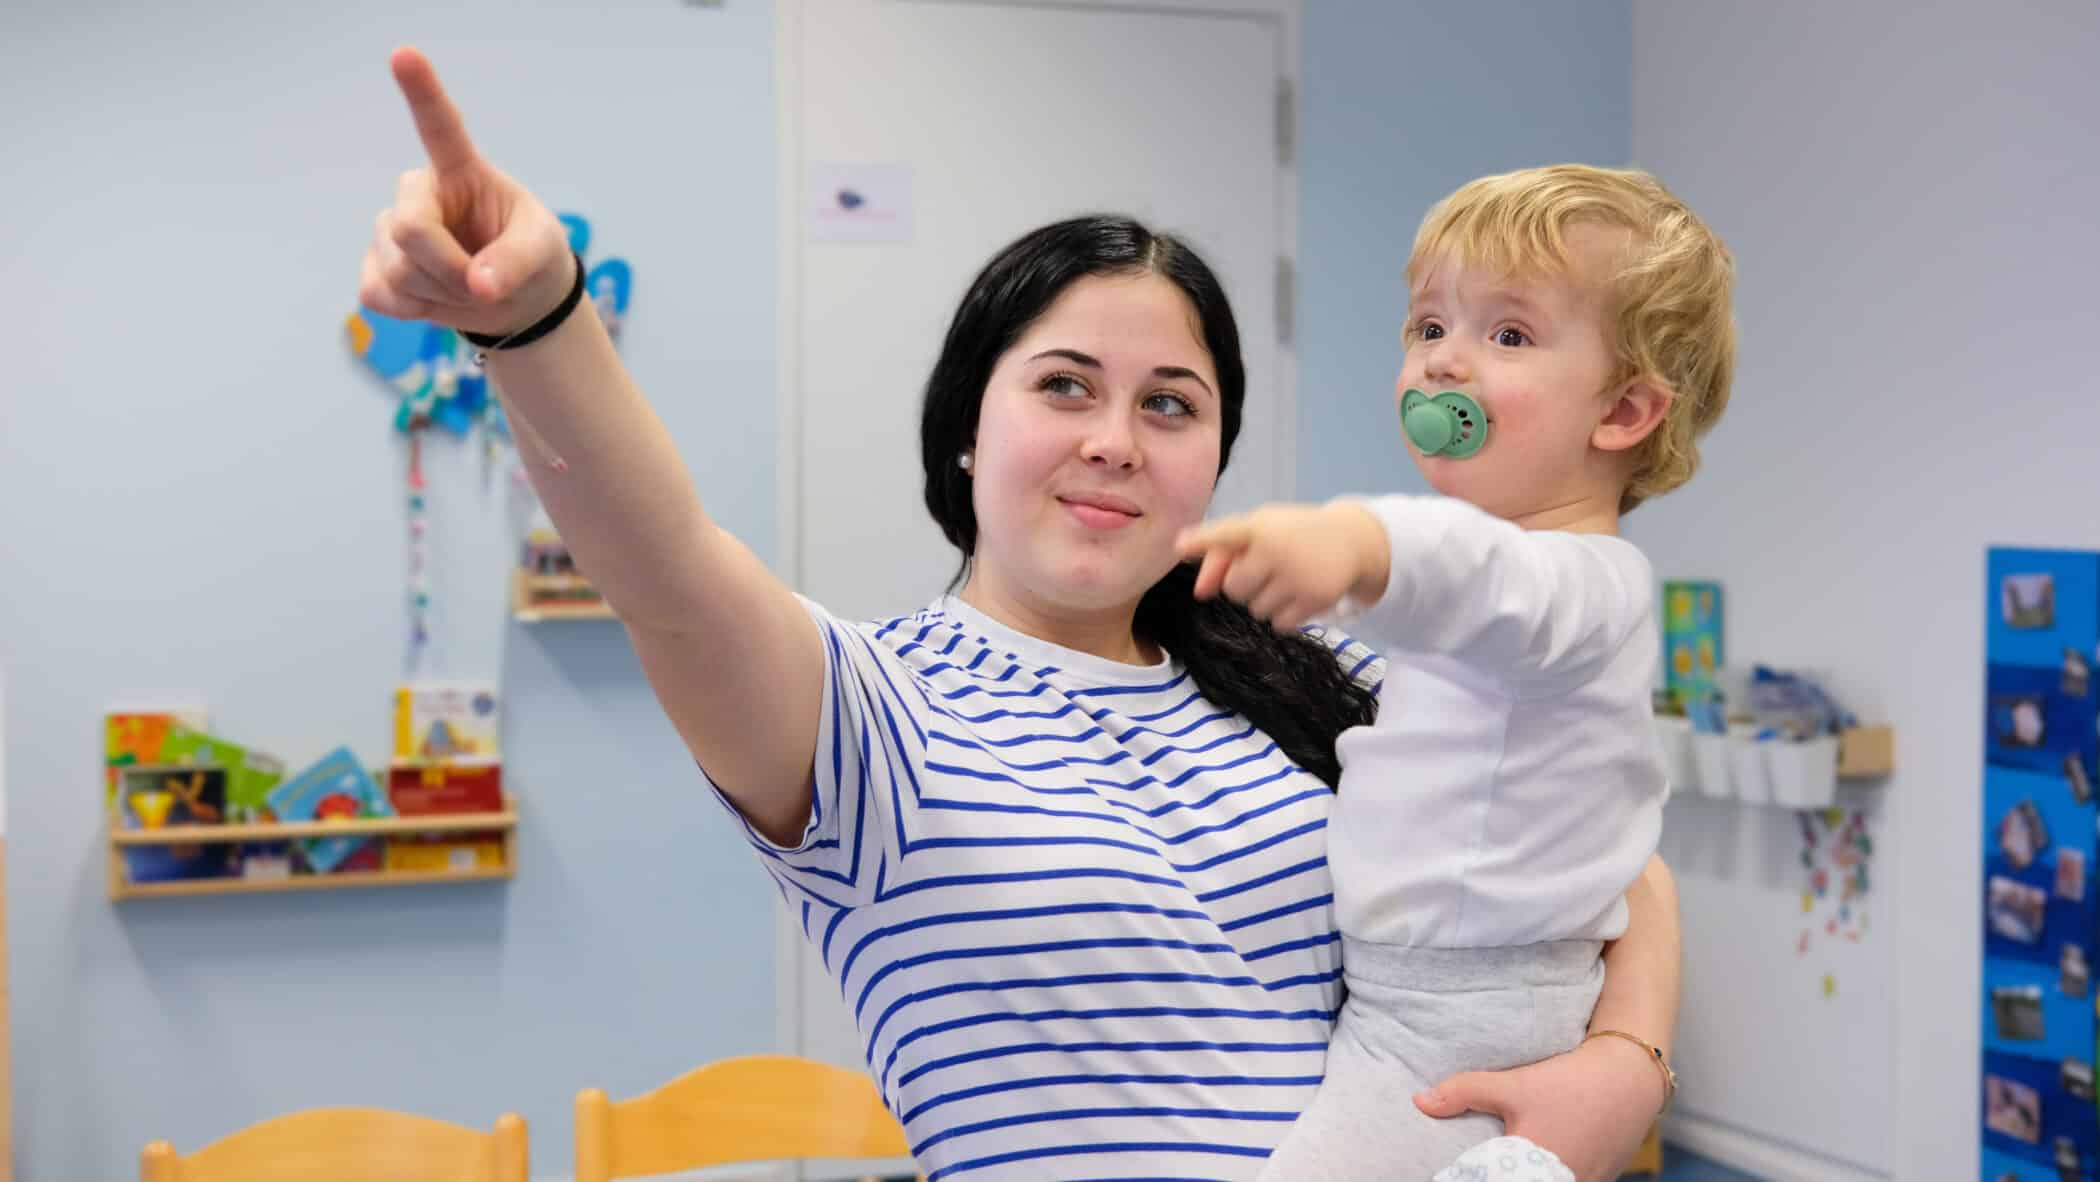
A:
x: 963, y: 461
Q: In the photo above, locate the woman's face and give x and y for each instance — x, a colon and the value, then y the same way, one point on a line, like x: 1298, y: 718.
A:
x: 1097, y: 443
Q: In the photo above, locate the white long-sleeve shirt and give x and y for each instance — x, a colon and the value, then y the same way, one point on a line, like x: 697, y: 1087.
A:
x: 1512, y: 788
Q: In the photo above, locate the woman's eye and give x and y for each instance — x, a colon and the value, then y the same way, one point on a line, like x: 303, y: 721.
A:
x: 1063, y: 385
x: 1171, y: 405
x: 1511, y: 338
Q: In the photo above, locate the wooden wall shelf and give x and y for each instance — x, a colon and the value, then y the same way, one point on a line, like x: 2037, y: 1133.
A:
x: 121, y: 838
x: 525, y: 610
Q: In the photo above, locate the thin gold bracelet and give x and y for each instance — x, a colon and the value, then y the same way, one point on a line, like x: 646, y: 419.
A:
x: 1654, y: 1052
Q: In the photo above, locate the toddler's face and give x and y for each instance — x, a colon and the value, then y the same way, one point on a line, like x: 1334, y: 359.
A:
x: 1536, y: 355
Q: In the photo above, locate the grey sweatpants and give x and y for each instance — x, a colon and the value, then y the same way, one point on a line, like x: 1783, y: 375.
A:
x: 1413, y: 1017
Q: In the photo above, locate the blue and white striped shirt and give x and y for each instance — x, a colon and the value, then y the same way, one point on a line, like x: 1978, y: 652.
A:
x: 1081, y: 916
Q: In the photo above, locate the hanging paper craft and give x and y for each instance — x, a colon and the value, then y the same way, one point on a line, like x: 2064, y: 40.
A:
x: 433, y: 371
x: 429, y: 366
x: 610, y: 284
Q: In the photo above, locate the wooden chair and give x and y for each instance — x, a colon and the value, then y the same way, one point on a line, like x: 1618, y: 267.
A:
x: 757, y: 1108
x: 349, y: 1145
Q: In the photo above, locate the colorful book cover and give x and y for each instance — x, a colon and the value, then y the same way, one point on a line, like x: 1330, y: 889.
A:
x: 158, y: 797
x: 438, y: 788
x: 134, y: 737
x: 249, y: 774
x: 336, y: 787
x: 446, y: 720
x: 453, y: 853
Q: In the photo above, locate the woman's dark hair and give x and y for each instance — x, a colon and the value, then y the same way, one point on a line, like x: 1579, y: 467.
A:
x: 1291, y: 687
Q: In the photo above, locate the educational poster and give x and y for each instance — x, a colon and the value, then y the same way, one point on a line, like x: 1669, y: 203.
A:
x: 1692, y: 652
x: 2041, y: 742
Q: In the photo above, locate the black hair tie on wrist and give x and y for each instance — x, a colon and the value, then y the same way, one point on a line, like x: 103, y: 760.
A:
x: 538, y: 328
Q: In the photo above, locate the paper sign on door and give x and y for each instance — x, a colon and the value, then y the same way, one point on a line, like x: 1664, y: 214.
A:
x: 859, y: 202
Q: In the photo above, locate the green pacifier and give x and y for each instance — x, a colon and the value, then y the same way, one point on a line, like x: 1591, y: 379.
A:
x: 1449, y: 424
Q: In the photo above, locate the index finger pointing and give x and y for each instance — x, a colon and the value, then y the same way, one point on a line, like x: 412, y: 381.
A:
x: 1231, y: 533
x: 443, y: 132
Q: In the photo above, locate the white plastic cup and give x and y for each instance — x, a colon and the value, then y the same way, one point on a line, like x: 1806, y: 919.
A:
x: 1803, y: 775
x: 1746, y: 763
x: 1710, y: 759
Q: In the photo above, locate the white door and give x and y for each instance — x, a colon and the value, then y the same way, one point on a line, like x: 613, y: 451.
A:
x: 1006, y: 116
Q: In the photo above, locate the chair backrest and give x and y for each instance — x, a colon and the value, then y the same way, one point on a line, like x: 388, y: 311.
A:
x: 757, y: 1108
x: 349, y: 1145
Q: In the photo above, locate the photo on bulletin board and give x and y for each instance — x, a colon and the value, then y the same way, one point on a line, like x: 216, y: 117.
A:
x: 2017, y: 910
x: 2076, y: 1077
x: 2081, y: 785
x: 2029, y: 601
x: 2013, y: 1109
x: 2067, y: 1159
x: 2070, y: 873
x: 2022, y: 835
x: 2077, y: 679
x: 2019, y: 720
x: 2017, y: 1012
x: 2073, y: 975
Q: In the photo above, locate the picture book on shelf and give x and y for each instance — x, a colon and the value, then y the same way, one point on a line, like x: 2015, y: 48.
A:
x: 336, y: 787
x: 161, y: 797
x: 249, y: 774
x: 133, y: 736
x: 446, y: 720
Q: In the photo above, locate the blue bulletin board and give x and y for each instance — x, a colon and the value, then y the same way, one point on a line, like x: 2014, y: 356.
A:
x: 2041, y: 742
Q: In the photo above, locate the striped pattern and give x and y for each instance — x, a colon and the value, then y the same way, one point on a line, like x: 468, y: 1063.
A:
x: 1081, y: 916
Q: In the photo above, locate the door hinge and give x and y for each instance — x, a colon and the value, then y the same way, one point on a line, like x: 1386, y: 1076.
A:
x: 1286, y: 299
x: 1286, y: 121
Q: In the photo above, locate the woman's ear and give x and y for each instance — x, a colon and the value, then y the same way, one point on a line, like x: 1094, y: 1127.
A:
x: 1639, y: 409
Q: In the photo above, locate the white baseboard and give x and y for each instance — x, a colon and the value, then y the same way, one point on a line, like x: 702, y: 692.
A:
x: 1756, y: 1154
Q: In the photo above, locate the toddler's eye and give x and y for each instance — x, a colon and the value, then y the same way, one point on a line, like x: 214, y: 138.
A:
x: 1511, y: 338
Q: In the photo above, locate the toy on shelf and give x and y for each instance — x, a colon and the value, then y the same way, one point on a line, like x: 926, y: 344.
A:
x: 547, y: 585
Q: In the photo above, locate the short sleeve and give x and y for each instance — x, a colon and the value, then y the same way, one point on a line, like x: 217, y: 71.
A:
x: 869, y: 747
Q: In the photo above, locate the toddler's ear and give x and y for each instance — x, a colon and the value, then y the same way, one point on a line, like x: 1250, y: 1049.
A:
x: 1637, y: 412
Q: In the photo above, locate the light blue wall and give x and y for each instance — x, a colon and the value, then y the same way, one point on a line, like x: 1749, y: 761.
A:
x: 1909, y: 194
x: 1403, y: 101
x: 200, y: 499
